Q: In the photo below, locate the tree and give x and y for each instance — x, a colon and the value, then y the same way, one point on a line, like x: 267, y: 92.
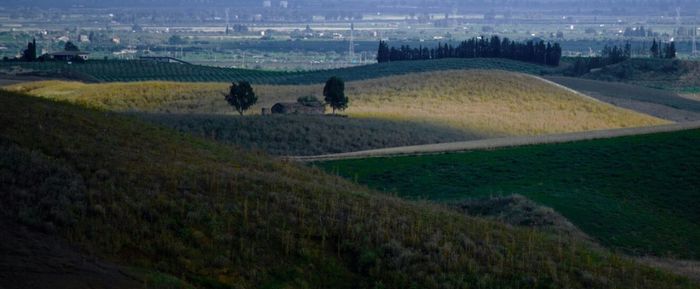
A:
x: 334, y: 93
x: 670, y: 50
x: 70, y: 47
x: 655, y: 51
x: 241, y: 96
x: 383, y: 52
x: 29, y: 54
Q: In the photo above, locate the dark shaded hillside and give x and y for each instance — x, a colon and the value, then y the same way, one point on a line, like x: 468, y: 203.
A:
x: 219, y: 217
x: 32, y: 259
x: 300, y: 135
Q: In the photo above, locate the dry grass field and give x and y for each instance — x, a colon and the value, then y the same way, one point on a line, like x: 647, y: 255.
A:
x: 488, y: 102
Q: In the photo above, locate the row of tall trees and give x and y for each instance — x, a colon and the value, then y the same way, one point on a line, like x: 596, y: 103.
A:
x: 663, y: 50
x: 616, y: 54
x: 479, y: 47
x: 609, y: 55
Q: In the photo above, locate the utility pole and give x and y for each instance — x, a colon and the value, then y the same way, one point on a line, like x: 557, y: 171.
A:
x: 678, y: 21
x: 227, y: 22
x: 695, y: 46
x: 351, y: 51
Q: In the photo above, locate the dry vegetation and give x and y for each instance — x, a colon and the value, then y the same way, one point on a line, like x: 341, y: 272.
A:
x: 494, y: 102
x: 218, y: 217
x: 475, y: 101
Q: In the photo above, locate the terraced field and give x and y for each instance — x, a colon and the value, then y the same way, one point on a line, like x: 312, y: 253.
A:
x: 130, y: 71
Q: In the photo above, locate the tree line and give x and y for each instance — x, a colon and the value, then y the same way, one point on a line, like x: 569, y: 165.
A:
x: 616, y: 54
x: 537, y: 52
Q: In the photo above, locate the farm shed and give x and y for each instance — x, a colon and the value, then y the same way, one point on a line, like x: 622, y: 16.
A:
x: 69, y: 55
x: 297, y: 108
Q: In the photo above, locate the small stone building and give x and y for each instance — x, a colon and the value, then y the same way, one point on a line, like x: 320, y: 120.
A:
x: 298, y: 108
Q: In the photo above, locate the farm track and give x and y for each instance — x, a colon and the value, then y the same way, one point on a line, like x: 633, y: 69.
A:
x: 496, y: 143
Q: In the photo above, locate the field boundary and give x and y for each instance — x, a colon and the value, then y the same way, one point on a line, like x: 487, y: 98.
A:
x: 495, y: 143
x: 569, y: 89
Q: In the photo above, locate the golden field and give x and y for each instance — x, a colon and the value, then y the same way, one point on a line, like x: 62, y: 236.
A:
x: 489, y: 102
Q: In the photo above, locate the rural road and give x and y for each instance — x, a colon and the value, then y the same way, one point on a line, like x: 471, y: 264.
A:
x: 498, y: 143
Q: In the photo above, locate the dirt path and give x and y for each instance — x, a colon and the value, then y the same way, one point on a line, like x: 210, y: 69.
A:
x: 499, y: 143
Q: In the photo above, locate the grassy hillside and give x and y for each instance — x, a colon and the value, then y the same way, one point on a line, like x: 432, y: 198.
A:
x: 638, y: 194
x: 299, y: 135
x: 663, y: 104
x: 493, y: 102
x: 671, y: 74
x: 475, y: 101
x: 129, y: 71
x: 216, y: 216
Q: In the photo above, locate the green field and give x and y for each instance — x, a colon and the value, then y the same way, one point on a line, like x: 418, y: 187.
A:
x: 191, y: 211
x: 639, y: 194
x: 129, y: 71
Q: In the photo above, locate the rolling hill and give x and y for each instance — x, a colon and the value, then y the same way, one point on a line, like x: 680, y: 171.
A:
x: 637, y: 194
x: 482, y: 102
x: 194, y: 212
x: 302, y: 135
x: 671, y: 74
x: 134, y: 70
x: 663, y: 104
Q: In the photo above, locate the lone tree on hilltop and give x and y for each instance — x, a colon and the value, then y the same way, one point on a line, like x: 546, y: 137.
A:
x: 334, y: 93
x: 241, y: 96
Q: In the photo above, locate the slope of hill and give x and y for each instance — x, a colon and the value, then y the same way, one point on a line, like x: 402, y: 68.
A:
x: 300, y: 135
x: 480, y: 102
x: 659, y: 103
x: 636, y: 193
x: 216, y: 216
x: 133, y: 70
x: 671, y: 74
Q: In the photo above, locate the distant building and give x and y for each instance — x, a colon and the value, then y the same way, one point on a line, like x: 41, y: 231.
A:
x: 69, y: 56
x: 267, y: 4
x: 83, y: 38
x: 116, y: 40
x: 297, y: 108
x: 284, y: 4
x: 63, y: 39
